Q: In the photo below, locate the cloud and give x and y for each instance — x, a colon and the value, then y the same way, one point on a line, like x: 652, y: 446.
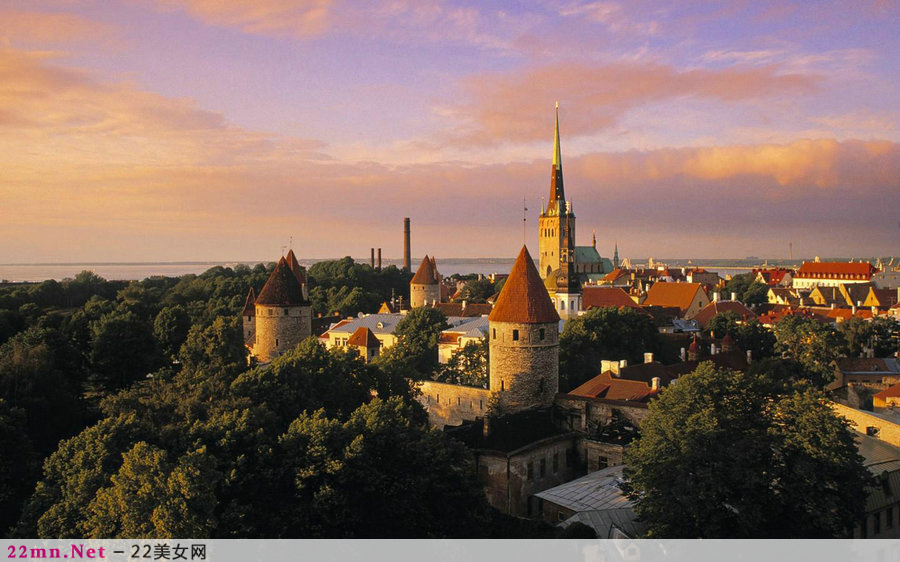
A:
x: 27, y: 28
x: 513, y: 107
x: 282, y: 18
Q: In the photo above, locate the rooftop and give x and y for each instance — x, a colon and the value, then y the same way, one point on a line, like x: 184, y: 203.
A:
x: 282, y: 288
x: 524, y: 299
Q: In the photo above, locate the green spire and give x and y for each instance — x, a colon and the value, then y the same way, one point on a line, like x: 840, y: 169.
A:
x: 557, y: 153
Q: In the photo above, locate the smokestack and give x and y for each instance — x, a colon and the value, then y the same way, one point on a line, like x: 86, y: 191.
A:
x: 406, y: 253
x: 379, y: 259
x: 372, y: 257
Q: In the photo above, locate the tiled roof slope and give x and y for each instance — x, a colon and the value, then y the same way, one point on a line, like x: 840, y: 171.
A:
x: 426, y: 274
x: 363, y: 337
x: 605, y: 297
x: 295, y: 267
x: 282, y: 287
x: 524, y: 300
x: 836, y: 268
x: 249, y: 309
x: 672, y: 294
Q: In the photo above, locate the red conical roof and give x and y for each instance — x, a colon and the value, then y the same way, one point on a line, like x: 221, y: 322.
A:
x: 249, y: 309
x: 426, y: 274
x: 282, y: 287
x: 295, y: 267
x: 524, y: 300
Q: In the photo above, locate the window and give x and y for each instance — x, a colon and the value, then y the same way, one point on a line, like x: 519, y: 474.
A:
x: 541, y: 385
x: 495, y: 333
x: 529, y: 470
x: 458, y: 401
x: 555, y: 462
x: 889, y: 514
x: 871, y: 431
x: 276, y: 342
x: 876, y: 523
x: 285, y: 312
x: 560, y: 516
x: 562, y: 305
x: 543, y: 467
x: 515, y: 335
x: 501, y: 385
x: 602, y: 462
x: 543, y: 333
x: 481, y: 404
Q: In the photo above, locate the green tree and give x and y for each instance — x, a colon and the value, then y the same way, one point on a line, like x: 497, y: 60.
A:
x: 170, y: 328
x: 813, y: 344
x: 468, y: 366
x: 417, y: 335
x: 18, y: 464
x: 749, y: 291
x: 603, y: 333
x: 477, y: 290
x: 727, y: 455
x: 876, y: 334
x: 123, y: 350
x: 217, y: 347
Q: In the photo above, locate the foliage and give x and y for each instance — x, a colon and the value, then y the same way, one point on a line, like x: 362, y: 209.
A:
x: 748, y: 336
x: 18, y: 463
x: 170, y: 328
x: 417, y: 335
x: 876, y: 334
x: 813, y: 344
x: 749, y: 291
x: 477, y: 290
x: 468, y: 366
x: 727, y: 455
x: 347, y: 287
x: 603, y: 333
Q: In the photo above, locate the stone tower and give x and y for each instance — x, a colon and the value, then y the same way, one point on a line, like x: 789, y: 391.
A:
x: 248, y: 318
x: 283, y: 315
x: 425, y: 287
x: 557, y: 217
x: 524, y: 341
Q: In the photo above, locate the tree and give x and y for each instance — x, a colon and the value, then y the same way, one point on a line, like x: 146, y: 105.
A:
x: 417, y: 340
x: 468, y: 366
x: 477, y: 290
x: 18, y: 464
x: 603, y: 333
x: 875, y: 334
x: 213, y: 348
x: 123, y: 350
x: 813, y: 344
x: 748, y: 289
x: 728, y: 455
x: 170, y: 328
x: 749, y: 336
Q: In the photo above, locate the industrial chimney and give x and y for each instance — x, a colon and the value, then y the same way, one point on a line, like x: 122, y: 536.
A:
x: 372, y: 258
x: 379, y: 259
x: 406, y: 252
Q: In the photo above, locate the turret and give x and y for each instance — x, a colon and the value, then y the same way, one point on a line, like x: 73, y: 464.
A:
x: 248, y: 318
x: 524, y: 341
x: 425, y: 286
x: 283, y: 315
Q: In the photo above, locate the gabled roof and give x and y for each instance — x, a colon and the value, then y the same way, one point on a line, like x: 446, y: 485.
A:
x: 524, y: 299
x: 606, y: 297
x: 892, y: 392
x: 363, y: 337
x: 456, y: 308
x: 282, y: 288
x: 295, y: 267
x: 587, y: 254
x: 249, y: 308
x: 426, y: 274
x: 709, y: 311
x: 832, y: 268
x: 672, y: 294
x: 606, y: 385
x: 616, y: 274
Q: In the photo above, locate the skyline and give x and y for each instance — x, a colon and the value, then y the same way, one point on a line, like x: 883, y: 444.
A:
x: 196, y: 130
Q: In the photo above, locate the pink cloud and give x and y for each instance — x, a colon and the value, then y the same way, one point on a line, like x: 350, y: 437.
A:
x: 21, y: 27
x: 286, y: 18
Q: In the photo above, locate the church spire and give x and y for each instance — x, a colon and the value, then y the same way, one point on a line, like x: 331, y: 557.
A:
x: 556, y: 179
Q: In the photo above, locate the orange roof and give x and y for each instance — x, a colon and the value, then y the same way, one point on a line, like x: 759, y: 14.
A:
x: 672, y: 294
x: 426, y: 274
x: 606, y: 385
x: 282, y: 287
x: 809, y: 269
x: 456, y: 309
x: 523, y: 298
x: 363, y: 337
x: 891, y: 392
x: 616, y: 274
x: 449, y: 338
x: 606, y: 297
x: 249, y: 309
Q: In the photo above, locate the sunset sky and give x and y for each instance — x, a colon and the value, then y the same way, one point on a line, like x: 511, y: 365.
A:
x: 216, y: 130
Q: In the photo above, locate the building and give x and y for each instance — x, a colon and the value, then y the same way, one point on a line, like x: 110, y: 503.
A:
x: 282, y: 315
x: 364, y: 341
x: 689, y: 298
x: 832, y: 274
x: 606, y: 297
x: 877, y: 373
x: 425, y: 286
x: 708, y: 312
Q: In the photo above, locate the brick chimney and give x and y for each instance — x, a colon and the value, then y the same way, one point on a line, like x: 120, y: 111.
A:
x: 654, y: 383
x: 648, y: 357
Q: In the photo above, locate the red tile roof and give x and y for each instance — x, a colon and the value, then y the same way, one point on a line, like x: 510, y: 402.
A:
x: 610, y: 387
x: 363, y: 337
x: 456, y: 309
x: 249, y: 308
x: 709, y: 311
x: 672, y: 294
x: 605, y: 297
x: 282, y: 287
x: 426, y: 274
x: 295, y: 267
x: 891, y: 392
x: 835, y: 269
x: 523, y: 298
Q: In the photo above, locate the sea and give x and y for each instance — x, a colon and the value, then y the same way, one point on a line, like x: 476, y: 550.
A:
x: 37, y: 272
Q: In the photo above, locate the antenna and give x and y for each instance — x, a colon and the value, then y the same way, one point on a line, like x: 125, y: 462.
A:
x: 291, y: 243
x: 524, y: 221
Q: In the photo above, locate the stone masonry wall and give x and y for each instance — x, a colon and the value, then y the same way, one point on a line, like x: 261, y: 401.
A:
x: 887, y: 431
x: 450, y: 404
x: 524, y: 372
x: 277, y: 332
x: 420, y: 295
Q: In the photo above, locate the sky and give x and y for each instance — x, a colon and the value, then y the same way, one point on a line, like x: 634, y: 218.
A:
x: 180, y: 130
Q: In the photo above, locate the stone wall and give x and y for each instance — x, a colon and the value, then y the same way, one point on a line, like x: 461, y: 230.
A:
x: 280, y: 329
x: 249, y: 323
x: 597, y: 455
x: 870, y: 424
x: 586, y: 413
x: 524, y: 366
x: 450, y: 404
x: 420, y: 295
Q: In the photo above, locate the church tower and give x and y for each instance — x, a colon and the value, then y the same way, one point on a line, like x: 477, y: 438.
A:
x: 524, y: 341
x: 557, y: 216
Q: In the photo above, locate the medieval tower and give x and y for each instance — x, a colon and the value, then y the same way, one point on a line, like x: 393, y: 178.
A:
x: 524, y: 341
x: 563, y: 283
x: 283, y: 316
x: 557, y: 221
x: 425, y: 287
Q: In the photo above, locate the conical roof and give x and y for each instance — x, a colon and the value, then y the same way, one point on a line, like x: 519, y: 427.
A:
x: 295, y: 267
x: 426, y: 274
x: 249, y: 309
x: 282, y: 287
x: 524, y: 300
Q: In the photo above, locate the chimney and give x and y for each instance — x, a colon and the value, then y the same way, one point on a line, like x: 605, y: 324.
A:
x: 733, y: 296
x: 463, y: 305
x: 858, y: 303
x: 716, y: 296
x: 406, y: 253
x: 486, y: 427
x: 874, y: 311
x: 372, y: 257
x: 683, y: 354
x: 648, y: 357
x: 712, y: 349
x: 853, y: 310
x: 654, y: 383
x: 623, y: 363
x: 833, y: 306
x: 379, y: 259
x: 749, y: 357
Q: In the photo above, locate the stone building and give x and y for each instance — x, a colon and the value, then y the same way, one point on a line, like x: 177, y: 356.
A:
x: 282, y: 315
x: 425, y: 287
